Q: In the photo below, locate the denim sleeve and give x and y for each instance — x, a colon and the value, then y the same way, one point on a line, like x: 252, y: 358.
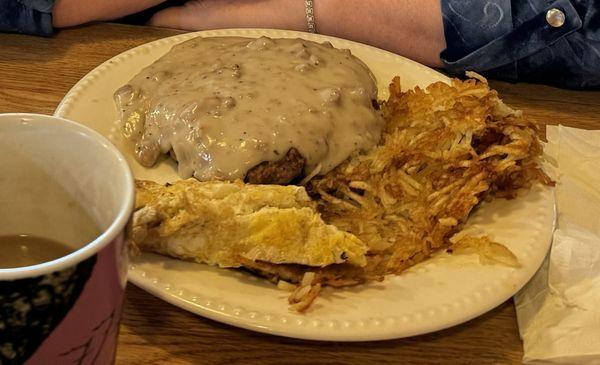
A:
x: 513, y: 40
x: 26, y: 16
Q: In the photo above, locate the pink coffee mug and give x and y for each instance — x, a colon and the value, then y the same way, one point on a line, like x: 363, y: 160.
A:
x: 64, y: 311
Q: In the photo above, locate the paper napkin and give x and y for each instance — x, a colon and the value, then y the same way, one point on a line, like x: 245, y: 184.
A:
x: 558, y: 311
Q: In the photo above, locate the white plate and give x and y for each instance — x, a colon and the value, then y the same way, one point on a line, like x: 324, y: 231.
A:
x: 439, y: 293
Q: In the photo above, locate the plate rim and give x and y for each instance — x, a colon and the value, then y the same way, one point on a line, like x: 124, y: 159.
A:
x: 138, y: 278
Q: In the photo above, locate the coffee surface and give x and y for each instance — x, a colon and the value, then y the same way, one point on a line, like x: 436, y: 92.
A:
x: 25, y: 250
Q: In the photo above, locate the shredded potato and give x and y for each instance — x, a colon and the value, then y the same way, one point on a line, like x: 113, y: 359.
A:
x: 444, y: 150
x: 304, y: 295
x: 489, y: 252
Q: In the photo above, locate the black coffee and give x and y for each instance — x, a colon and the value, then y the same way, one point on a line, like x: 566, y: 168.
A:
x: 26, y: 250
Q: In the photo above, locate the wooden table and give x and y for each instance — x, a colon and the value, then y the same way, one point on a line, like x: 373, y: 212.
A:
x: 35, y: 73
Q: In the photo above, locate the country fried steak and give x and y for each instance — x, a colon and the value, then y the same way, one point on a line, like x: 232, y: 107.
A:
x: 281, y: 172
x: 264, y: 110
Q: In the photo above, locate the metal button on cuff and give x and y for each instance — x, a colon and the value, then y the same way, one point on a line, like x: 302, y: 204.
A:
x: 555, y: 17
x: 557, y: 20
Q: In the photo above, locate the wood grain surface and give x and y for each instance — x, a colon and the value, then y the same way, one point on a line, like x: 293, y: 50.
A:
x: 36, y: 72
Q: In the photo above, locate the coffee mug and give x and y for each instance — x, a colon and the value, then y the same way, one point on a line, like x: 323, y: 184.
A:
x: 64, y: 311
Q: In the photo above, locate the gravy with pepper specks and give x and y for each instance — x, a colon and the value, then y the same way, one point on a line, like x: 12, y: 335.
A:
x: 223, y: 105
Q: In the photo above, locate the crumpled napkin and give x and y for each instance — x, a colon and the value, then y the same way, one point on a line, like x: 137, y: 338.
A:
x: 558, y: 311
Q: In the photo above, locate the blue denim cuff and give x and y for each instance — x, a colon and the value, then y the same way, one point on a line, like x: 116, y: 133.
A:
x: 26, y: 16
x: 481, y: 36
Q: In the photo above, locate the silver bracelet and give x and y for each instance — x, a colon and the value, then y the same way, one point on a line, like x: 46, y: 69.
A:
x: 310, y: 16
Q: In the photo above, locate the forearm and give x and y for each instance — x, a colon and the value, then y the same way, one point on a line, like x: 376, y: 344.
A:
x: 412, y: 28
x: 66, y: 13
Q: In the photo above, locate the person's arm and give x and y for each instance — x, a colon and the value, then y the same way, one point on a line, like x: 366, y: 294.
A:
x: 66, y: 13
x: 412, y: 28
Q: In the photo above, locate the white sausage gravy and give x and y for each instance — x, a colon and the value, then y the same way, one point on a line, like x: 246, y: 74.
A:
x: 223, y: 105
